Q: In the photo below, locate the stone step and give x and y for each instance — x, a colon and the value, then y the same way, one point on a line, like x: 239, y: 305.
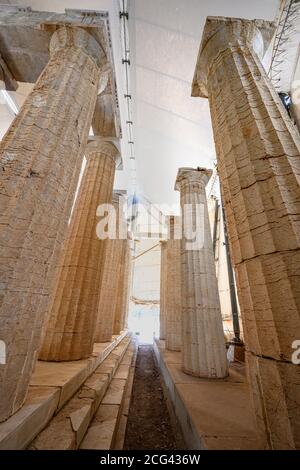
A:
x: 52, y: 385
x: 107, y: 430
x: 118, y: 442
x: 68, y: 427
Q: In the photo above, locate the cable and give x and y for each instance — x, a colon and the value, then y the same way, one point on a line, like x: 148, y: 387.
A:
x: 124, y: 17
x: 288, y: 18
x: 214, y: 181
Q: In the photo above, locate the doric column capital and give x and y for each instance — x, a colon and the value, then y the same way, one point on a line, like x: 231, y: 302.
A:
x: 222, y: 33
x: 67, y: 36
x: 195, y: 177
x: 105, y: 147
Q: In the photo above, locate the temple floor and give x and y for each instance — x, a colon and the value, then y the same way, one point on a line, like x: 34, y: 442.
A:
x: 214, y: 414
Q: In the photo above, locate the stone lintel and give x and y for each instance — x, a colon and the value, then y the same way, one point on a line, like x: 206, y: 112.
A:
x: 14, y: 8
x: 221, y: 33
x: 25, y: 37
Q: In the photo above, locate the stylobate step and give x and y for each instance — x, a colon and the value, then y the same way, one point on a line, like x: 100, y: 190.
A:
x: 52, y: 385
x: 67, y: 429
x: 104, y: 429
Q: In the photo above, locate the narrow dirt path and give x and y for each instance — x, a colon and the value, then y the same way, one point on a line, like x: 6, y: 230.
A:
x: 149, y: 425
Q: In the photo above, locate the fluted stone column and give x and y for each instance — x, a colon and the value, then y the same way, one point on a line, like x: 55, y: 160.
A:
x: 127, y: 282
x: 163, y: 291
x: 109, y: 286
x: 173, y: 287
x: 122, y: 291
x: 259, y: 165
x: 119, y: 294
x: 73, y: 311
x: 203, y: 343
x: 41, y: 156
x: 104, y: 119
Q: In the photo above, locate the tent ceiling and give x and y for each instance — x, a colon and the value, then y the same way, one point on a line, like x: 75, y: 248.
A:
x: 171, y: 129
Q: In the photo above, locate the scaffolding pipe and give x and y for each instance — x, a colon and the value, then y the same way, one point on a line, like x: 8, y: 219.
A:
x: 233, y: 299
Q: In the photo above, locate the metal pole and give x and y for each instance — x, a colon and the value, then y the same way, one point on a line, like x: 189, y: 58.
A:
x: 215, y: 226
x: 233, y: 299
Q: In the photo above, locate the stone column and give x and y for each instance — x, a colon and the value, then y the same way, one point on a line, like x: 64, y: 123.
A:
x: 41, y: 156
x: 259, y: 165
x: 109, y: 285
x: 122, y: 291
x: 73, y: 311
x: 127, y: 282
x: 203, y: 343
x: 163, y: 291
x: 173, y: 287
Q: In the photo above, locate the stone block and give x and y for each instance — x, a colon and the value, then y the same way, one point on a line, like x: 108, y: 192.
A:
x: 21, y: 428
x: 122, y: 372
x: 114, y: 394
x: 72, y: 421
x: 100, y: 434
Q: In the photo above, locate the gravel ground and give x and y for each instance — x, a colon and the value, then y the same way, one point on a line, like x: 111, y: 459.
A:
x: 149, y: 425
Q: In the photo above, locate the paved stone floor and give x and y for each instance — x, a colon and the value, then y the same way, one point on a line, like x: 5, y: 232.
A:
x: 149, y: 424
x: 215, y: 414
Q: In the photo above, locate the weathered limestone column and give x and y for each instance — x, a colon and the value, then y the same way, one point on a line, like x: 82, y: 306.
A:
x: 259, y: 167
x: 163, y: 290
x: 173, y: 287
x: 203, y: 343
x: 41, y: 156
x: 123, y: 289
x: 109, y: 285
x: 127, y: 282
x: 73, y: 311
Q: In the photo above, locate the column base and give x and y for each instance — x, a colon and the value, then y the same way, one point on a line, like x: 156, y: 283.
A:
x: 201, y: 376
